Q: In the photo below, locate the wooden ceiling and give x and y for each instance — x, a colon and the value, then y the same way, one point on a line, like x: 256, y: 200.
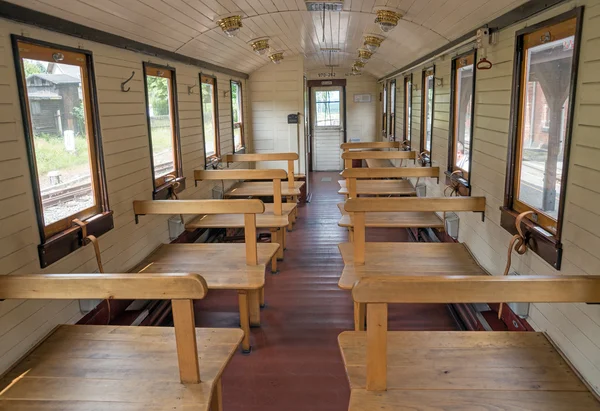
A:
x: 189, y: 27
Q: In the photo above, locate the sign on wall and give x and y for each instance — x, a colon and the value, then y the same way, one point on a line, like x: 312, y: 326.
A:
x: 362, y: 98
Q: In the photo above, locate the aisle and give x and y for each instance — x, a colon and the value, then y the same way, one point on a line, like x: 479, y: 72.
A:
x: 295, y: 364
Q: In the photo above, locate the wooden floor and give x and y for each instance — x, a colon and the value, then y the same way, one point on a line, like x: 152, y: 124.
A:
x: 295, y: 364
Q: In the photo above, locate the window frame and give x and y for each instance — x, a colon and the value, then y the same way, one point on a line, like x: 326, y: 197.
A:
x: 213, y: 158
x: 392, y: 110
x: 408, y: 86
x: 163, y: 186
x: 465, y: 180
x: 384, y: 107
x: 241, y: 97
x: 543, y: 242
x: 61, y: 238
x: 430, y: 71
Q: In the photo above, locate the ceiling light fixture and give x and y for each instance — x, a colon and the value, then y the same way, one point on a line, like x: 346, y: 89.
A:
x: 372, y: 42
x: 364, y: 55
x: 358, y: 65
x: 231, y: 25
x: 276, y: 57
x: 387, y: 19
x: 260, y: 46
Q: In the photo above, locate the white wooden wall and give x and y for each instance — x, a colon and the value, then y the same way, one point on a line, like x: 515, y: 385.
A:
x: 574, y: 327
x: 274, y: 92
x: 127, y: 158
x: 361, y: 117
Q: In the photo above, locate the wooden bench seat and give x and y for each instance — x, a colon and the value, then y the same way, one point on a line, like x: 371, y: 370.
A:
x: 83, y: 367
x: 458, y: 370
x: 226, y: 266
x: 378, y: 159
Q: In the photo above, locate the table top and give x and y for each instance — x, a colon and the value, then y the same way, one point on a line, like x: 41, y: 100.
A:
x: 405, y: 258
x: 382, y: 187
x: 94, y: 367
x: 223, y: 265
x: 262, y: 189
x: 396, y: 220
x: 379, y: 163
x: 266, y: 220
x: 465, y: 370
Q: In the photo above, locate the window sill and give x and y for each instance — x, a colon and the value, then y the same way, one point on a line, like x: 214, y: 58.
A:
x: 241, y: 150
x: 64, y: 243
x: 211, y: 162
x: 163, y: 192
x: 541, y: 242
x: 464, y: 188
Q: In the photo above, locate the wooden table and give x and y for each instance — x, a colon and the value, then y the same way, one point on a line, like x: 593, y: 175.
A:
x: 394, y: 219
x: 224, y: 267
x: 437, y: 370
x: 263, y: 189
x: 275, y: 223
x: 379, y: 163
x: 382, y: 187
x: 83, y: 367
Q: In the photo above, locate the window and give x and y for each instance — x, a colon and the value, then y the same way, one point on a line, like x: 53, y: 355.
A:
x: 392, y: 130
x: 385, y: 112
x: 463, y: 86
x: 327, y: 105
x: 162, y: 125
x: 427, y: 110
x: 546, y: 62
x: 210, y: 115
x: 407, y: 107
x: 237, y: 102
x: 61, y: 124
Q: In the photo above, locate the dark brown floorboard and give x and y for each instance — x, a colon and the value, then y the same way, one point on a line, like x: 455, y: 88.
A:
x: 295, y: 364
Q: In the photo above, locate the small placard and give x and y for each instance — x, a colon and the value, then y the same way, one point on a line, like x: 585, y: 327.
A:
x: 292, y: 118
x: 362, y: 98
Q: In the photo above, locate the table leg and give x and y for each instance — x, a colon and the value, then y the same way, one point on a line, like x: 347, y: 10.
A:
x: 262, y: 297
x: 274, y: 240
x: 280, y: 240
x: 216, y: 402
x: 360, y: 312
x: 244, y: 320
x: 351, y: 234
x: 254, y: 306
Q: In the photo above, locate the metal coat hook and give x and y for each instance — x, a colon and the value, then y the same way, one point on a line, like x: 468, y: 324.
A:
x: 127, y: 81
x: 191, y: 88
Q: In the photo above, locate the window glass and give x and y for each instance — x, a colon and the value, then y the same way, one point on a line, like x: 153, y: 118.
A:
x: 62, y: 137
x: 407, y: 107
x: 546, y: 88
x: 161, y: 121
x: 392, y: 130
x: 209, y: 116
x: 385, y: 102
x: 327, y: 104
x: 428, y: 109
x: 463, y: 106
x: 236, y: 111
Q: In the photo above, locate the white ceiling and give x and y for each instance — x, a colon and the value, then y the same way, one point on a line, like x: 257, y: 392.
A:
x: 188, y: 27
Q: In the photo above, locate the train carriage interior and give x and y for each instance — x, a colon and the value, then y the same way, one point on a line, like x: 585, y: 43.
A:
x: 299, y: 205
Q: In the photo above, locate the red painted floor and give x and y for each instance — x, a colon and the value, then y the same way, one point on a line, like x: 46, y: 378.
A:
x: 295, y: 364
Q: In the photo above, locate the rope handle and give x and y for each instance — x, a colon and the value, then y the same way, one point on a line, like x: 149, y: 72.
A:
x: 454, y: 184
x: 172, y: 191
x: 518, y: 242
x: 484, y: 64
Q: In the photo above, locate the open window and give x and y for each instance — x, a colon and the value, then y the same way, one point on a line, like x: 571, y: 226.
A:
x: 210, y: 125
x: 427, y: 103
x: 163, y: 129
x: 408, y: 86
x: 546, y: 62
x: 237, y: 116
x: 462, y: 113
x: 392, y: 126
x: 60, y: 118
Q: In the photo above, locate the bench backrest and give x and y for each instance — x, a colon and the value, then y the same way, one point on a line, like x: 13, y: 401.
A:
x: 366, y: 145
x: 180, y: 288
x: 353, y: 174
x: 255, y: 158
x: 359, y: 206
x: 381, y: 155
x: 377, y: 292
x: 247, y: 207
x: 248, y: 174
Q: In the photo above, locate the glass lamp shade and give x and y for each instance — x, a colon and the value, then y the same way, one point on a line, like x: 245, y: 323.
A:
x: 260, y: 47
x: 231, y: 25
